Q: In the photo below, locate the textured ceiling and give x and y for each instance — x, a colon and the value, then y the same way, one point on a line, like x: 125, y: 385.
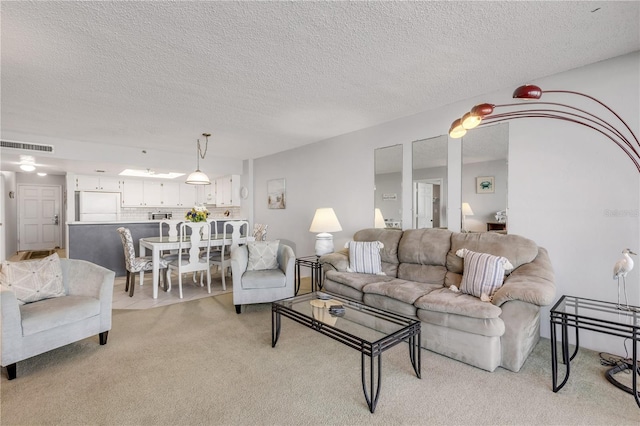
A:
x: 263, y: 77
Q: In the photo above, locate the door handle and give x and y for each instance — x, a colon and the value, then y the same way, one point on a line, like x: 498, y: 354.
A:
x: 56, y: 219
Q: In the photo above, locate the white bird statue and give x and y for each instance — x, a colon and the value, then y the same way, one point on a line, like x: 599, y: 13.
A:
x: 620, y: 270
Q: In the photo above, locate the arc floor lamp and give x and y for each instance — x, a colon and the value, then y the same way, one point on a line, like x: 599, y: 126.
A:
x: 620, y: 133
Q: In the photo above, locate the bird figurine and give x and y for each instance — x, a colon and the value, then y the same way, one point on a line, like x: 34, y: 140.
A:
x: 620, y: 270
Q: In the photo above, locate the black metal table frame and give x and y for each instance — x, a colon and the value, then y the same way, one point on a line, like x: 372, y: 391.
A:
x: 314, y: 264
x: 410, y: 333
x: 577, y: 321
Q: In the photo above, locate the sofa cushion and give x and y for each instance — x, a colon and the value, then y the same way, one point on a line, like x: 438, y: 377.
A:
x: 262, y: 255
x: 431, y: 274
x: 445, y: 300
x: 483, y: 273
x: 517, y: 249
x: 404, y: 291
x: 364, y: 257
x: 356, y: 281
x: 492, y: 327
x: 33, y: 280
x: 389, y: 304
x: 425, y: 246
x: 265, y: 278
x: 52, y: 313
x: 389, y: 253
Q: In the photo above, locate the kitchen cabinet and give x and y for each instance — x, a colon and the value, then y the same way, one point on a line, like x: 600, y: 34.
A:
x: 228, y: 191
x: 152, y: 193
x: 132, y: 193
x: 97, y: 183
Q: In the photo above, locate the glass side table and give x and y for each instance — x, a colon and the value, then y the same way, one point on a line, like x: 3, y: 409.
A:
x: 313, y: 263
x: 602, y: 317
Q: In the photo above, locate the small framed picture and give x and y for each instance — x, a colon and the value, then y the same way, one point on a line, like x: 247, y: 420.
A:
x: 485, y: 185
x: 276, y: 194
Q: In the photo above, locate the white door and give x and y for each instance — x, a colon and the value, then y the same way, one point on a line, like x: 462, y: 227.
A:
x: 423, y: 212
x: 39, y: 217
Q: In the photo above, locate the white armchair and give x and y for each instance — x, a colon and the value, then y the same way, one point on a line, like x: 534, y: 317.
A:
x: 264, y: 285
x: 34, y: 328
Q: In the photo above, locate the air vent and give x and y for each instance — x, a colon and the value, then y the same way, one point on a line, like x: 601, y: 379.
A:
x: 27, y: 146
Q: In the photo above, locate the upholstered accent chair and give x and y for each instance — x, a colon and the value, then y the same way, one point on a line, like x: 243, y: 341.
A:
x: 82, y: 310
x: 253, y: 284
x: 135, y: 264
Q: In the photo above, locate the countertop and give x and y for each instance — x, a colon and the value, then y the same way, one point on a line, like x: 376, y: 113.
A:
x: 117, y: 222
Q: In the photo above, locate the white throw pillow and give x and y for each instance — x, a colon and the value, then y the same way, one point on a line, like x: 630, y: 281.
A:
x: 483, y: 273
x: 33, y: 280
x: 364, y: 257
x: 263, y: 255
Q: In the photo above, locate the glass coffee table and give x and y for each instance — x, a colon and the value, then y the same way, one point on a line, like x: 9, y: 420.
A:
x: 368, y: 330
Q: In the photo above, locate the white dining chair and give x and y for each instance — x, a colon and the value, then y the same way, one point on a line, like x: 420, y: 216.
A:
x: 172, y: 226
x: 231, y: 234
x: 190, y: 259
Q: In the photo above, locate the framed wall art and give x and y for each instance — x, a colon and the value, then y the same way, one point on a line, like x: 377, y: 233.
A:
x: 485, y: 185
x: 276, y: 194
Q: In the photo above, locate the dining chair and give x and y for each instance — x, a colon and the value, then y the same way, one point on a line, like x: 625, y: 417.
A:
x: 231, y: 233
x: 191, y: 237
x: 172, y: 233
x: 135, y: 264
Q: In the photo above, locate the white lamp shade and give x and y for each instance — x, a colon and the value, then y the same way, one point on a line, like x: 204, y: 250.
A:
x: 198, y: 178
x: 325, y: 220
x: 466, y: 209
x: 379, y: 219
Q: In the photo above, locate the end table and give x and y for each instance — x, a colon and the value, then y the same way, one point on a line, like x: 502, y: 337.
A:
x: 312, y: 262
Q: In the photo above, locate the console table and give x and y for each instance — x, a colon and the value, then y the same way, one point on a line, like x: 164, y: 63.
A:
x: 602, y: 317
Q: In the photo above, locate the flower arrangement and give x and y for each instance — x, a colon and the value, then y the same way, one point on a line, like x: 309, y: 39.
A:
x: 197, y: 214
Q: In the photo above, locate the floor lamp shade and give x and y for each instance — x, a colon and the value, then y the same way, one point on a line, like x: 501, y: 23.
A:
x: 379, y: 219
x: 324, y: 222
x: 466, y: 211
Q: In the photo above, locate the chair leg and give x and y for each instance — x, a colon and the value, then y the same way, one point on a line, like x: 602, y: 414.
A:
x: 141, y: 277
x: 133, y: 285
x: 126, y: 287
x: 11, y: 371
x: 164, y: 278
x: 238, y: 309
x: 103, y: 337
x: 224, y: 284
x: 209, y: 280
x: 168, y: 281
x: 180, y: 283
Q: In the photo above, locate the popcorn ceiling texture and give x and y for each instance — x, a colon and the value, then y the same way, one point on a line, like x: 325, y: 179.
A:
x: 269, y: 76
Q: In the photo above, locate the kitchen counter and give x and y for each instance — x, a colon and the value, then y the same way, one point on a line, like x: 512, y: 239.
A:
x: 99, y: 242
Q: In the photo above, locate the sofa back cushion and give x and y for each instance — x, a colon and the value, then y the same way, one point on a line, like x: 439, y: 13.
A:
x: 389, y: 253
x: 423, y: 255
x: 517, y: 249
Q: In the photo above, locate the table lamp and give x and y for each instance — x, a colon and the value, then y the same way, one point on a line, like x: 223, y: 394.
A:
x: 466, y: 211
x: 324, y: 221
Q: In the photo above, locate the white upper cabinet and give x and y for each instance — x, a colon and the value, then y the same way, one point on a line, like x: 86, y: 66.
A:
x: 97, y: 183
x: 153, y: 193
x: 133, y: 193
x: 228, y: 191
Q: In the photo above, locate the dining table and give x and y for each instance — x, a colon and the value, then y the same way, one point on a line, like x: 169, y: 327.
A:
x: 160, y: 244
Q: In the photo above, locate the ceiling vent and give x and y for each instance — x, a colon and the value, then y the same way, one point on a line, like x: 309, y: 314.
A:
x: 39, y: 147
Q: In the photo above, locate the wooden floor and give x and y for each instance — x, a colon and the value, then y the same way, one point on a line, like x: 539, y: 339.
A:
x: 62, y: 253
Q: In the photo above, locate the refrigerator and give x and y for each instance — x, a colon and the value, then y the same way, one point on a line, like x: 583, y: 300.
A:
x: 98, y: 206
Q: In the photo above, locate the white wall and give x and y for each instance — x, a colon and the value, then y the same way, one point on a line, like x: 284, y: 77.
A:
x: 570, y: 189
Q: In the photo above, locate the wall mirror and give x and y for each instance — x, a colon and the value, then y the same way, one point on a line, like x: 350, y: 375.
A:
x: 388, y: 187
x: 429, y: 176
x: 485, y: 178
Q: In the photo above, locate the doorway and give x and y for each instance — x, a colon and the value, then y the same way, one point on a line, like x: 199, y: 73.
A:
x: 426, y: 195
x: 39, y: 217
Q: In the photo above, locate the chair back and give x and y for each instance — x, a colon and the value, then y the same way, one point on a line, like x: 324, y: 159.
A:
x: 260, y: 231
x: 129, y: 248
x: 233, y: 230
x: 197, y: 233
x: 214, y: 228
x: 173, y: 225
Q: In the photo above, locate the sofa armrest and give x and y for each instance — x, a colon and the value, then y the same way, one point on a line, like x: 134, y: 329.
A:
x: 338, y: 260
x: 11, y: 325
x: 532, y: 282
x: 287, y: 261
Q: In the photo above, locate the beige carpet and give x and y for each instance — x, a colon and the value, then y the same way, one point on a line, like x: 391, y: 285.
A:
x: 199, y: 363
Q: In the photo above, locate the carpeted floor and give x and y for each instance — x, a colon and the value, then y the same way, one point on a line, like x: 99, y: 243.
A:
x: 199, y: 363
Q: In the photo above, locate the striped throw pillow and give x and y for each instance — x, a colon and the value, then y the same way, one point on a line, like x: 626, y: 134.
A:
x: 483, y: 273
x: 364, y: 257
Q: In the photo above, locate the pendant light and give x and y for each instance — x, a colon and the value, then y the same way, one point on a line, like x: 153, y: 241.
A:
x: 197, y: 177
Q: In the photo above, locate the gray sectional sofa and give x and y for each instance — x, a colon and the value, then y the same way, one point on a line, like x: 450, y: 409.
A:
x: 421, y: 264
